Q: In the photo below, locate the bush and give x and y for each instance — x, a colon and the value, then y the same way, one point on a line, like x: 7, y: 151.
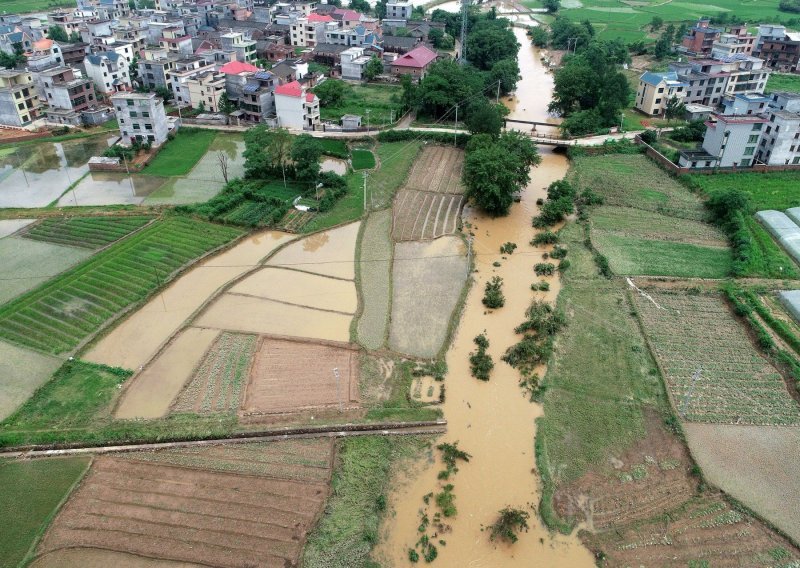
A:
x: 508, y: 248
x: 544, y: 268
x: 602, y: 264
x: 649, y: 137
x: 451, y: 454
x: 563, y: 265
x: 558, y: 252
x: 544, y: 238
x: 541, y: 286
x: 445, y: 501
x: 481, y: 364
x: 508, y: 524
x: 493, y: 297
x: 440, y: 137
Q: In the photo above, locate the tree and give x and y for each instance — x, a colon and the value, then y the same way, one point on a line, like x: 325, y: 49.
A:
x: 359, y: 6
x: 447, y: 42
x: 509, y: 522
x: 435, y: 37
x: 133, y: 70
x: 331, y: 92
x: 552, y: 6
x: 165, y: 94
x: 566, y: 34
x: 226, y: 105
x: 539, y: 36
x: 380, y: 9
x: 267, y: 152
x: 306, y: 152
x: 656, y: 23
x: 75, y: 37
x: 222, y: 159
x: 507, y: 73
x: 489, y: 42
x: 446, y: 84
x: 675, y: 108
x: 373, y: 68
x: 484, y: 117
x: 57, y: 33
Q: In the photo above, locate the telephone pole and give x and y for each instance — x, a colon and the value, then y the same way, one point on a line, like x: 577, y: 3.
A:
x: 464, y: 19
x: 455, y: 128
x: 365, y: 193
x: 338, y: 386
x: 469, y: 255
x: 688, y: 398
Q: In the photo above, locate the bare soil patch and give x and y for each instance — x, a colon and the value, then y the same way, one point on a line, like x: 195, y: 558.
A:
x: 422, y: 215
x: 757, y: 465
x: 437, y: 169
x: 152, y: 391
x: 249, y: 505
x: 289, y: 376
x: 96, y: 558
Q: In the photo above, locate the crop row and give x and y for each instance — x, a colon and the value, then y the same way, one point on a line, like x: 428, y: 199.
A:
x: 86, y: 232
x: 56, y: 316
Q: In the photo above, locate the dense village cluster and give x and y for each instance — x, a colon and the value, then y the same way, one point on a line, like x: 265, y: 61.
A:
x: 255, y: 64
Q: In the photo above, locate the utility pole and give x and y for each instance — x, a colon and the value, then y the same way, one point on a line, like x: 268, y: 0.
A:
x: 688, y: 398
x: 464, y: 18
x: 469, y: 255
x: 158, y: 282
x: 365, y: 193
x: 455, y: 128
x: 573, y: 41
x: 368, y: 111
x: 497, y: 96
x: 338, y: 386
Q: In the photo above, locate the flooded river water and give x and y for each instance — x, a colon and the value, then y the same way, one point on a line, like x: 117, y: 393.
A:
x: 492, y: 420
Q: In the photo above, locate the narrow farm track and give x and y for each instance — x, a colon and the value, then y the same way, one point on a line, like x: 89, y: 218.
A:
x: 293, y: 432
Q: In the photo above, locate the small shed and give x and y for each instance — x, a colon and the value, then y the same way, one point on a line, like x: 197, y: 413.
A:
x: 351, y: 122
x: 698, y: 112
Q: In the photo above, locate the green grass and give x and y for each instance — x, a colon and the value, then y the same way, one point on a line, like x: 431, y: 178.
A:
x: 179, y: 156
x: 396, y: 159
x: 76, y: 395
x: 349, y: 526
x: 363, y: 159
x: 58, y: 315
x: 85, y: 232
x: 635, y: 256
x: 32, y: 492
x: 335, y: 148
x: 599, y: 380
x: 383, y: 102
x: 783, y: 82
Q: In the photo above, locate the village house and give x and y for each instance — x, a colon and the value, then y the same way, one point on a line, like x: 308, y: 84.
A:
x: 415, y: 63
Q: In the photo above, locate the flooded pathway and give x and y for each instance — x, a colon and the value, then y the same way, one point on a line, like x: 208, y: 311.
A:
x: 493, y: 421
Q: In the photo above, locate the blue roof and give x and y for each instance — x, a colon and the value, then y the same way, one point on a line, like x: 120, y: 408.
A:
x: 264, y: 75
x: 15, y: 37
x: 655, y: 78
x: 97, y: 58
x: 251, y: 88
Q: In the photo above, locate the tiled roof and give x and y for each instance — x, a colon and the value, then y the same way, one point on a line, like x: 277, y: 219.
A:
x: 417, y: 58
x: 236, y: 67
x: 292, y: 89
x: 319, y: 18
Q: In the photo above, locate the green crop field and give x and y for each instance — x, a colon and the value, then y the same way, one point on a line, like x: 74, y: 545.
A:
x: 58, y: 315
x: 783, y: 82
x: 383, y: 102
x: 335, y: 148
x: 32, y: 491
x: 85, y: 232
x: 179, y: 156
x: 26, y: 6
x: 363, y: 159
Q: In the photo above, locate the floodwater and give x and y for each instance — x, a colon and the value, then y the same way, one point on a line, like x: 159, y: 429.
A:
x: 491, y: 420
x: 111, y: 188
x: 37, y: 174
x: 331, y: 253
x: 152, y: 391
x: 134, y: 342
x: 11, y: 226
x: 334, y: 165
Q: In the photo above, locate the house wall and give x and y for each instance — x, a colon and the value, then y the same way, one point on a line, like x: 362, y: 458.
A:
x: 740, y: 141
x: 289, y: 111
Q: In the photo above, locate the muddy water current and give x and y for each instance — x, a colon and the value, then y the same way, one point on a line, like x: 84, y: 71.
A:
x: 493, y: 421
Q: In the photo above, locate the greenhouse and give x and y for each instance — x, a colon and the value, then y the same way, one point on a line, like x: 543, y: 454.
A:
x: 791, y: 300
x: 785, y: 231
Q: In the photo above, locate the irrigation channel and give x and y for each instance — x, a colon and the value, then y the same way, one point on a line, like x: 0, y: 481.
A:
x: 492, y: 421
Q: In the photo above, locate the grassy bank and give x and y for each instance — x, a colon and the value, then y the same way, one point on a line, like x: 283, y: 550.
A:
x: 179, y: 156
x: 382, y: 101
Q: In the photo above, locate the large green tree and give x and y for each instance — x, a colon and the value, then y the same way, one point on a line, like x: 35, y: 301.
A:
x: 446, y: 84
x: 566, y: 34
x: 506, y: 72
x: 306, y: 152
x: 484, y: 117
x: 491, y: 41
x: 331, y: 92
x: 268, y: 152
x: 373, y: 68
x: 57, y: 33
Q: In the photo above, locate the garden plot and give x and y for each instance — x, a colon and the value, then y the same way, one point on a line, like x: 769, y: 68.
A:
x: 626, y: 221
x: 289, y: 376
x: 421, y: 215
x: 21, y: 372
x: 632, y: 180
x: 300, y: 289
x: 375, y: 271
x: 134, y: 342
x: 330, y: 253
x: 427, y: 279
x: 11, y: 226
x: 234, y: 506
x: 217, y: 385
x: 437, y: 169
x: 757, y: 465
x: 26, y: 264
x: 151, y: 392
x: 736, y: 384
x: 785, y: 231
x: 84, y: 232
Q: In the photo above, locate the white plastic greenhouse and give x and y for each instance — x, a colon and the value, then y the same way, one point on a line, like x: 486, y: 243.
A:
x: 784, y: 229
x: 791, y: 299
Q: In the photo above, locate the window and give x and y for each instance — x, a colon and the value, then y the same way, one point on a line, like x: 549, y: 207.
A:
x: 134, y: 114
x: 145, y: 114
x: 753, y: 139
x: 21, y: 106
x: 17, y: 95
x: 749, y: 151
x: 136, y: 127
x: 796, y: 160
x: 744, y: 163
x: 148, y: 127
x: 130, y: 102
x: 658, y: 101
x: 757, y: 126
x: 661, y: 90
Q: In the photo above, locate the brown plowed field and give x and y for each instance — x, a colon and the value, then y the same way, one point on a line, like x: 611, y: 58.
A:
x: 221, y: 515
x: 289, y: 376
x: 420, y: 215
x: 437, y: 169
x: 646, y: 509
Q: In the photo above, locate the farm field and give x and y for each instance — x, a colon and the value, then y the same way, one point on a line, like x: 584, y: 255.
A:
x: 59, y: 315
x: 437, y: 169
x: 375, y: 279
x: 288, y: 376
x: 267, y: 497
x: 84, y: 232
x: 654, y: 226
x: 151, y: 392
x: 783, y: 82
x: 11, y: 226
x: 762, y: 477
x: 775, y: 190
x: 422, y: 215
x: 22, y: 371
x: 111, y: 188
x: 299, y: 289
x: 134, y: 342
x: 178, y: 156
x: 24, y: 6
x: 737, y: 385
x: 218, y: 383
x: 419, y: 323
x: 27, y: 264
x: 330, y: 253
x: 362, y: 159
x: 32, y: 492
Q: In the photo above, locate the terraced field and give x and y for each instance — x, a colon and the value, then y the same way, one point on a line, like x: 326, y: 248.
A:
x: 85, y: 232
x: 736, y: 384
x: 60, y: 314
x: 239, y: 505
x: 430, y: 202
x: 217, y: 385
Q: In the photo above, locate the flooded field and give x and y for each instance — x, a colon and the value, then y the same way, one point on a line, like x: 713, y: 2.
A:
x: 37, y: 174
x: 334, y: 165
x: 492, y: 421
x: 152, y: 391
x: 111, y: 188
x: 331, y: 253
x: 11, y: 226
x: 136, y: 340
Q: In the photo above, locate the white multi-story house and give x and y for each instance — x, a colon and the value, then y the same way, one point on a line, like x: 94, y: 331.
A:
x: 296, y: 108
x: 353, y: 63
x: 656, y: 89
x: 141, y: 117
x: 206, y: 89
x: 397, y: 10
x: 109, y: 72
x: 184, y: 70
x: 309, y: 31
x: 245, y: 48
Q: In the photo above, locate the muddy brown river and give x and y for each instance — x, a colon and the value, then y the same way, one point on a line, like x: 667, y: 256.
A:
x: 492, y: 421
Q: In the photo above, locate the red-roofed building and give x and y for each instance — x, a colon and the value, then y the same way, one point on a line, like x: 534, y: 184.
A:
x: 309, y: 31
x: 237, y: 68
x: 349, y: 18
x: 319, y: 18
x: 416, y: 62
x: 295, y: 107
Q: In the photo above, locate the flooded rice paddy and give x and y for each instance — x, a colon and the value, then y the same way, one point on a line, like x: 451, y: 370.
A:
x: 330, y: 253
x: 334, y: 165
